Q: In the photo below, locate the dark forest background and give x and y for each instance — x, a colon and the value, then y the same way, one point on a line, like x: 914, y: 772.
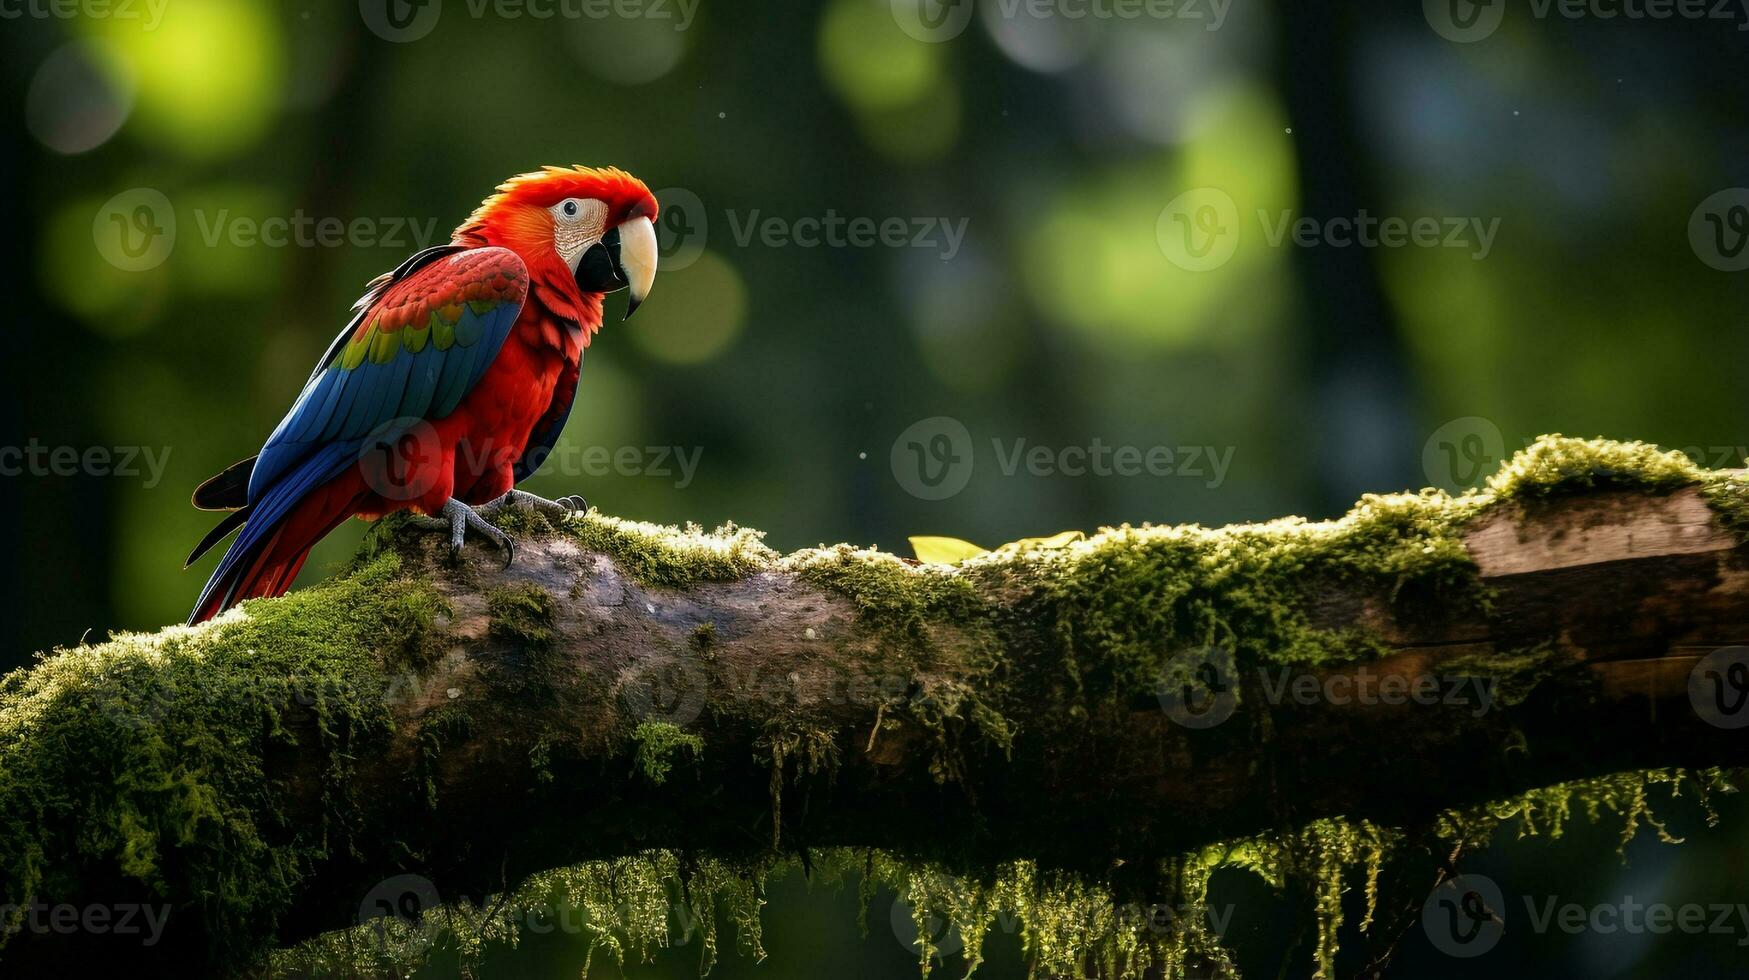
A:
x: 1607, y: 154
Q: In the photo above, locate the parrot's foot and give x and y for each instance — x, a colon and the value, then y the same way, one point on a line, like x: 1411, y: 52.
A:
x: 458, y: 518
x: 574, y: 504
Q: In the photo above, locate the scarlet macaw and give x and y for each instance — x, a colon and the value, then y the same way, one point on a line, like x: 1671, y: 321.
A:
x: 449, y: 385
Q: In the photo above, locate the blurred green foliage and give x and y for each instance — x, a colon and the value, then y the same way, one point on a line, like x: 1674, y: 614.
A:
x: 789, y: 370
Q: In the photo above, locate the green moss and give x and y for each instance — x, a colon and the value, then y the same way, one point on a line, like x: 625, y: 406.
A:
x: 521, y: 613
x: 806, y: 752
x: 704, y: 638
x: 658, y: 744
x: 526, y: 665
x: 672, y: 557
x: 1560, y: 464
x: 1068, y: 925
x: 1728, y: 495
x: 904, y: 601
x: 143, y: 756
x: 441, y: 728
x: 1127, y: 603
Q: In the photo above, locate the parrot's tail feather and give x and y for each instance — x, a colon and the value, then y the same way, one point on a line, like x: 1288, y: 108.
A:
x: 232, y: 521
x: 278, y: 532
x: 228, y: 490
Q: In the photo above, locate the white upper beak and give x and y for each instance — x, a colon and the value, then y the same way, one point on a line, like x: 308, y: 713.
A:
x: 637, y: 256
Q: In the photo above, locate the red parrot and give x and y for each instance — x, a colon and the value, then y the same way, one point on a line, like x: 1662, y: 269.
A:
x: 450, y: 384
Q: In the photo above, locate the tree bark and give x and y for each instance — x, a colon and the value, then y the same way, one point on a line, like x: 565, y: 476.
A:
x: 531, y: 729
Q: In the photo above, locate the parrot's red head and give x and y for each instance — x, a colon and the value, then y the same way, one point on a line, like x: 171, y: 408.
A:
x: 577, y: 225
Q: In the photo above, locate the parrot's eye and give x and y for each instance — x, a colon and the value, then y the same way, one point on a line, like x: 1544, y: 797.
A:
x: 578, y: 222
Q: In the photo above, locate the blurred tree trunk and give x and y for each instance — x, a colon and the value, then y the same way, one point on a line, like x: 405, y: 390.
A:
x: 1361, y: 406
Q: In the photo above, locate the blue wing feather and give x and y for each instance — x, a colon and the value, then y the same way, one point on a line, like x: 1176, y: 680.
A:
x: 346, y: 404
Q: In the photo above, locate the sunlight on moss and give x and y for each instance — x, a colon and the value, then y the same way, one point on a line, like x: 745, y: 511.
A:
x: 177, y: 726
x: 179, y: 723
x: 660, y: 744
x: 666, y: 556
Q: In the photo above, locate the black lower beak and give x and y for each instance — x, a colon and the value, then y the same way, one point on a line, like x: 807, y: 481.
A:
x: 600, y: 271
x: 602, y: 268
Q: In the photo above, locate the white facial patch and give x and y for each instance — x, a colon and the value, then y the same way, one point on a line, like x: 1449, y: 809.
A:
x: 578, y: 222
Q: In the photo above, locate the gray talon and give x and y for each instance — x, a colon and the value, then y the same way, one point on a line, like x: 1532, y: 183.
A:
x: 535, y: 502
x: 458, y: 518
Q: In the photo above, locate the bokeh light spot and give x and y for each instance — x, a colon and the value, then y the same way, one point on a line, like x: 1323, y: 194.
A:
x: 211, y: 75
x: 870, y: 62
x: 692, y: 315
x: 79, y: 97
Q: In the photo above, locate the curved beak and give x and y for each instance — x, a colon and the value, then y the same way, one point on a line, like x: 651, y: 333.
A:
x: 625, y: 258
x: 637, y: 257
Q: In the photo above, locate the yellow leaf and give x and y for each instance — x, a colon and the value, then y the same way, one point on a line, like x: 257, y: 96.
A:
x: 945, y: 551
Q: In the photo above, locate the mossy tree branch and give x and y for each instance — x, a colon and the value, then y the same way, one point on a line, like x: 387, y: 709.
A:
x: 623, y: 687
